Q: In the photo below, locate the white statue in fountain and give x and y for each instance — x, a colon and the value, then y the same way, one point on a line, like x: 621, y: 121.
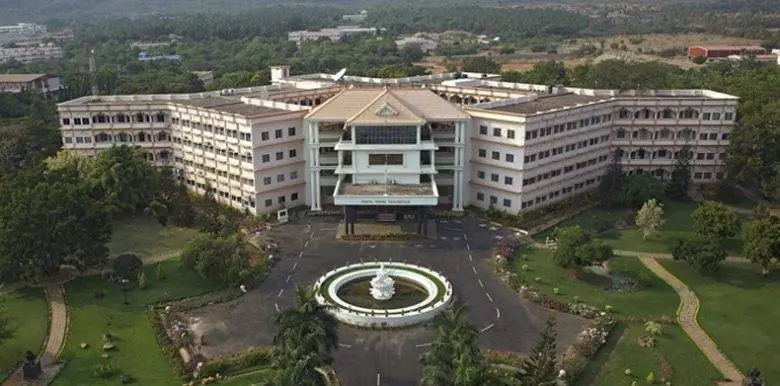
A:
x: 382, y: 285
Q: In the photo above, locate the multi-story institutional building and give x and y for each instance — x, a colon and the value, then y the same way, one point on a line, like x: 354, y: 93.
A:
x: 28, y: 54
x: 356, y: 18
x: 21, y: 82
x: 394, y: 147
x: 334, y: 34
x: 24, y: 29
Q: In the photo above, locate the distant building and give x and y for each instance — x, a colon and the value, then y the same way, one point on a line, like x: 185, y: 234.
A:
x: 768, y: 58
x: 424, y: 43
x: 361, y: 17
x: 30, y: 53
x: 334, y: 34
x: 144, y: 57
x: 21, y: 82
x: 206, y: 77
x: 723, y: 52
x: 24, y: 29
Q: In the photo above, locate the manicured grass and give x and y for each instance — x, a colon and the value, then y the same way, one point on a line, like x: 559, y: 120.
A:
x: 588, y: 219
x: 730, y: 196
x: 28, y: 312
x: 256, y: 378
x: 145, y: 237
x: 137, y: 351
x: 655, y: 300
x: 738, y: 311
x: 675, y: 358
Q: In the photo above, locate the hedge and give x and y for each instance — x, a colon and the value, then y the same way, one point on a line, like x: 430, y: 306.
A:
x: 234, y: 364
x: 169, y: 350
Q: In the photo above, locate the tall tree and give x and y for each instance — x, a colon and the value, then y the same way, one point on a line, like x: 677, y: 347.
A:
x: 637, y: 189
x: 612, y: 180
x: 539, y: 368
x: 715, y: 220
x: 481, y: 64
x: 705, y: 255
x: 124, y: 179
x: 216, y: 257
x: 307, y: 329
x: 762, y: 243
x: 6, y: 332
x: 648, y: 218
x: 575, y: 249
x: 677, y: 188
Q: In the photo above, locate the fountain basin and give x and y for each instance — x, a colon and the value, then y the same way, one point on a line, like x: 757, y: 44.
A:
x: 437, y: 288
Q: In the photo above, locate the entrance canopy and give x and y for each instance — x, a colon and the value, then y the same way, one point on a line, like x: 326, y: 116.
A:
x: 386, y: 194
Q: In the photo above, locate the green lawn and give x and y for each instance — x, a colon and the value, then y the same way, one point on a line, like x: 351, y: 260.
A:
x: 655, y: 300
x: 137, y: 350
x: 588, y: 219
x: 28, y: 312
x: 256, y: 378
x: 674, y: 358
x: 738, y: 311
x: 145, y: 237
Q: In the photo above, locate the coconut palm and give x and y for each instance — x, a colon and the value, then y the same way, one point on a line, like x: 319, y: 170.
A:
x: 307, y: 328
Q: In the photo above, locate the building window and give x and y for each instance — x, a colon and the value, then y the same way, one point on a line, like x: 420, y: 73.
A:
x: 705, y: 116
x: 264, y: 136
x: 496, y: 131
x: 715, y: 116
x: 294, y: 197
x: 483, y: 129
x: 493, y: 200
x: 68, y: 139
x: 386, y: 135
x: 481, y: 174
x: 728, y: 116
x: 510, y: 134
x: 280, y: 178
x: 278, y: 133
x: 510, y: 157
x: 79, y: 139
x: 266, y: 180
x: 495, y: 155
x: 697, y: 175
x: 481, y: 196
x: 293, y: 154
x: 266, y: 158
x: 279, y: 155
x: 269, y: 202
x: 724, y: 136
x: 482, y: 153
x: 281, y: 199
x: 66, y: 121
x: 385, y: 159
x: 494, y: 177
x: 713, y: 136
x: 293, y: 175
x: 291, y: 133
x: 507, y: 203
x: 508, y: 180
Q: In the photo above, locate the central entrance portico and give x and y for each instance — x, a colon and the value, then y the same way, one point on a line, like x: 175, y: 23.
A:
x: 391, y: 143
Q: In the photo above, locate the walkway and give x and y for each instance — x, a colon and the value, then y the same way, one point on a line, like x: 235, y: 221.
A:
x: 58, y: 328
x: 668, y: 256
x: 687, y: 318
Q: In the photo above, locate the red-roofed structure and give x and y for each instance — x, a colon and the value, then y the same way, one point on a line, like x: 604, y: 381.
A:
x: 723, y: 52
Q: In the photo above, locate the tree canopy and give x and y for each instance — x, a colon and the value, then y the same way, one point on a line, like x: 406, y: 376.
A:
x: 715, y: 220
x: 575, y: 249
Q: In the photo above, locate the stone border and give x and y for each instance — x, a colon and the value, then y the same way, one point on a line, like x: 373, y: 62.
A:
x: 400, y: 317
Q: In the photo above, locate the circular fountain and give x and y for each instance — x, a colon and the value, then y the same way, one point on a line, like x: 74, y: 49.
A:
x: 385, y: 294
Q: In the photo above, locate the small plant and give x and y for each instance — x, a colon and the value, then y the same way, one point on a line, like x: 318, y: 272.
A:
x: 538, y: 279
x: 651, y: 378
x: 556, y: 291
x: 159, y: 272
x: 142, y: 282
x: 126, y: 379
x: 653, y: 328
x: 99, y: 294
x: 608, y: 308
x: 104, y: 371
x: 524, y: 268
x: 627, y: 371
x: 108, y: 341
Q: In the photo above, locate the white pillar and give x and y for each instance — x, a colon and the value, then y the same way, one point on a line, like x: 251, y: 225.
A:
x: 457, y: 181
x: 312, y: 137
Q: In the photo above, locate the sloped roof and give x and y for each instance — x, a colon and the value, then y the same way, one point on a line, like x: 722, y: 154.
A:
x: 386, y: 105
x: 20, y: 78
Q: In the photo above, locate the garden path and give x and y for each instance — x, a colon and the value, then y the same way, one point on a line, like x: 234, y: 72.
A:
x: 687, y: 318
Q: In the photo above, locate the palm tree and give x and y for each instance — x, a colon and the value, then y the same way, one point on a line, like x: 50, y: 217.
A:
x: 312, y: 326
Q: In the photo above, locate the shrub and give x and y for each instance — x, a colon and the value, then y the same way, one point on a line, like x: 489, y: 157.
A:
x: 636, y: 40
x: 167, y: 347
x: 142, y: 282
x: 126, y: 265
x: 651, y: 378
x: 216, y: 257
x: 236, y: 363
x: 126, y: 379
x: 699, y: 59
x: 159, y: 272
x: 104, y: 371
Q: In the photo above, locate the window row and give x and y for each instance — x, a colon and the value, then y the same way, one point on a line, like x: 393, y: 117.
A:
x: 77, y: 139
x: 278, y: 133
x: 665, y: 133
x: 568, y: 126
x: 668, y: 154
x: 495, y: 155
x: 220, y: 173
x: 249, y: 201
x: 281, y: 200
x: 564, y: 149
x: 127, y: 137
x: 669, y: 113
x: 495, y: 177
x: 118, y: 118
x: 561, y: 192
x: 497, y: 132
x: 280, y: 178
x: 566, y: 169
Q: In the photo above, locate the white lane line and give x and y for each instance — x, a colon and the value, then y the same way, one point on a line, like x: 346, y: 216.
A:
x: 474, y: 269
x: 469, y: 257
x: 480, y: 283
x: 498, y: 313
x: 377, y: 379
x: 489, y: 326
x: 465, y: 237
x: 288, y: 279
x: 300, y: 254
x: 488, y: 296
x: 423, y: 345
x: 345, y: 345
x: 327, y: 229
x: 280, y: 293
x: 276, y: 305
x: 468, y: 247
x: 456, y: 238
x: 295, y: 266
x: 307, y: 244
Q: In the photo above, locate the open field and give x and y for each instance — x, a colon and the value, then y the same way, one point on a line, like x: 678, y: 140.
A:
x: 146, y: 238
x: 28, y: 312
x: 737, y: 312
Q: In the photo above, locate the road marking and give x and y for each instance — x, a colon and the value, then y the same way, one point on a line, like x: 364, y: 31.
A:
x: 432, y: 245
x: 488, y: 296
x: 300, y: 254
x: 480, y: 283
x: 465, y: 237
x: 307, y: 244
x: 474, y: 269
x: 456, y: 238
x: 444, y: 221
x: 493, y: 228
x: 418, y: 246
x: 276, y: 305
x: 295, y: 266
x: 423, y: 345
x: 328, y: 229
x: 372, y: 246
x: 482, y: 225
x: 468, y: 247
x: 377, y: 379
x: 443, y: 238
x: 489, y: 326
x: 498, y: 313
x: 469, y: 257
x: 288, y: 279
x: 457, y: 221
x: 280, y: 293
x: 345, y: 345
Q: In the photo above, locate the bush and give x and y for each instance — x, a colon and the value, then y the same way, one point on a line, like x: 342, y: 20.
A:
x: 159, y: 272
x: 636, y: 40
x: 126, y: 379
x: 104, y: 371
x: 699, y: 59
x: 126, y: 265
x: 167, y: 347
x: 142, y: 282
x: 236, y: 363
x: 213, y: 257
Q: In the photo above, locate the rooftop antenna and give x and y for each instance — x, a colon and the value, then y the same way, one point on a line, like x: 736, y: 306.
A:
x: 93, y: 71
x: 339, y: 75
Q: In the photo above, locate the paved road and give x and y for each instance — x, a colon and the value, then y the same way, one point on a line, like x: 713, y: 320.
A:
x: 461, y: 253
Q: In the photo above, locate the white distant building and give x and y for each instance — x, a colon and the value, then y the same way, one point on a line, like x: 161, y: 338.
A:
x: 398, y: 148
x: 359, y: 18
x: 22, y: 82
x: 23, y: 29
x: 334, y: 34
x: 29, y: 53
x: 206, y: 77
x: 425, y: 44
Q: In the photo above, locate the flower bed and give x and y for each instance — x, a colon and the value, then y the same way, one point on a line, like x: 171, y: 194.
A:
x: 504, y: 358
x: 235, y: 364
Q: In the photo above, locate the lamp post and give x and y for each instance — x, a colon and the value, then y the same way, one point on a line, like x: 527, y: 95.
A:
x: 125, y: 289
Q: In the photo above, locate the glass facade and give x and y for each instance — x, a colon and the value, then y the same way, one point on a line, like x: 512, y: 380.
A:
x: 386, y: 135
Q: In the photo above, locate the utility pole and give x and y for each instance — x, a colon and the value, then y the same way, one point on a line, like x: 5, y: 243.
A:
x: 93, y: 72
